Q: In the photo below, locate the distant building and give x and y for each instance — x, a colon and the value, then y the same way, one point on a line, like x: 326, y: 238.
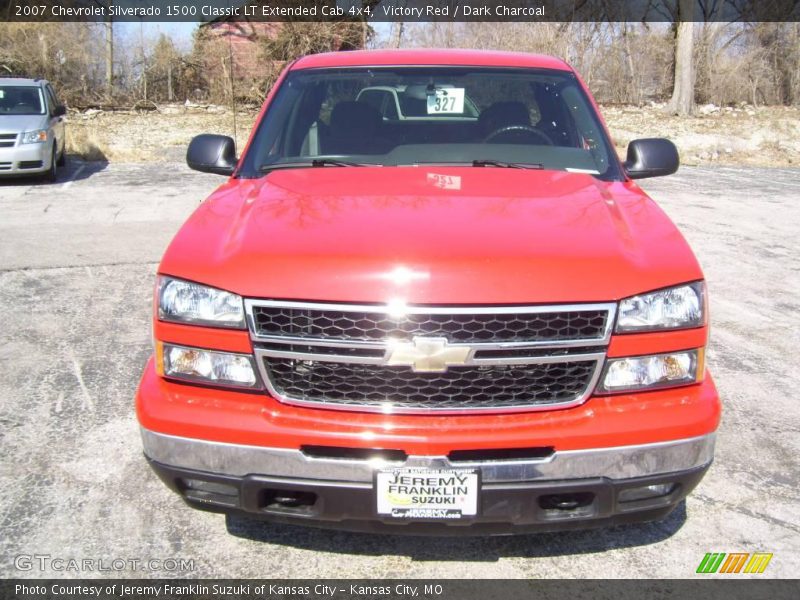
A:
x: 244, y: 41
x: 244, y: 38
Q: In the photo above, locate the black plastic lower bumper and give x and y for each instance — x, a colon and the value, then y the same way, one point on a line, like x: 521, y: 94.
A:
x: 505, y: 508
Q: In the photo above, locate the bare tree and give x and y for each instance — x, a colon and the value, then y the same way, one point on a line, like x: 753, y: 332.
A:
x: 109, y: 58
x: 397, y: 34
x: 749, y: 60
x: 682, y: 101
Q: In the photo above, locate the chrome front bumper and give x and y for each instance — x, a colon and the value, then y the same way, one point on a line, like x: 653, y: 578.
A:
x: 623, y: 462
x: 567, y: 490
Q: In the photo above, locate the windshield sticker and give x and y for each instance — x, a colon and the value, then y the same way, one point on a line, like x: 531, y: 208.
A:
x: 443, y: 101
x: 445, y: 182
x: 2, y: 94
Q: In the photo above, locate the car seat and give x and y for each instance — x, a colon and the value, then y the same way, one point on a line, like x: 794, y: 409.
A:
x: 354, y: 129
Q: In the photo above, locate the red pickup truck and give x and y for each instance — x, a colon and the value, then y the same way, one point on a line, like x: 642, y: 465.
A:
x: 430, y: 299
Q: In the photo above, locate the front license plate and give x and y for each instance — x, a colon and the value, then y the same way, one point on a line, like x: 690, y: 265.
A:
x: 427, y: 493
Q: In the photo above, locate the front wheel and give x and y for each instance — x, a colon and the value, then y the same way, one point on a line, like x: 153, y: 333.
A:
x: 52, y: 173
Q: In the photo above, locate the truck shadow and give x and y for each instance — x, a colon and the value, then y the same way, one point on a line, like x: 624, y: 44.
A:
x: 477, y: 549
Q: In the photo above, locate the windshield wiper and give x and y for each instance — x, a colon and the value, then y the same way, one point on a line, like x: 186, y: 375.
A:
x: 488, y: 162
x: 316, y: 162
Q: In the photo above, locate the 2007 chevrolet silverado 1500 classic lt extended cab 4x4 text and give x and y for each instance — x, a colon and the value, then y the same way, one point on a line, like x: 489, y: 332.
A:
x: 466, y: 320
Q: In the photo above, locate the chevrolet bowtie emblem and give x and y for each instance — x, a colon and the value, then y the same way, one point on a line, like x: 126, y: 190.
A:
x: 427, y: 355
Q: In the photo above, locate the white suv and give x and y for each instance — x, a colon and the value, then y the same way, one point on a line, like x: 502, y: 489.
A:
x: 32, y: 130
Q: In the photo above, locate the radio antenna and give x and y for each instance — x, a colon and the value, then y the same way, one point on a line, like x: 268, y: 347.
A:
x: 233, y: 92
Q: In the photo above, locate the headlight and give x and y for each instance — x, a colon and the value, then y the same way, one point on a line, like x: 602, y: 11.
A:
x: 652, y: 372
x: 34, y: 137
x: 187, y: 302
x: 206, y: 366
x: 678, y: 307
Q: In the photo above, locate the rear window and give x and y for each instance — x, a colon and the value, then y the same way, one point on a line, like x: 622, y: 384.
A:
x: 21, y: 100
x: 396, y: 116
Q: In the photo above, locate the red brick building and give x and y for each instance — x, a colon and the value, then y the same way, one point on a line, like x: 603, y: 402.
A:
x: 244, y: 38
x: 244, y: 41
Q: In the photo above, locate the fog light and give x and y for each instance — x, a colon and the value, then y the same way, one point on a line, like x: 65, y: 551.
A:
x: 211, y: 492
x: 196, y: 364
x: 211, y: 487
x: 645, y: 492
x: 654, y: 371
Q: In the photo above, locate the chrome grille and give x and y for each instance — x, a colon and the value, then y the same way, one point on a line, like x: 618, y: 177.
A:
x: 488, y: 387
x: 379, y: 358
x: 7, y: 140
x: 463, y: 327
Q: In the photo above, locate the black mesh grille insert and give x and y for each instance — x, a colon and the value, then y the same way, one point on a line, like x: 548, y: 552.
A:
x: 373, y: 386
x: 464, y: 328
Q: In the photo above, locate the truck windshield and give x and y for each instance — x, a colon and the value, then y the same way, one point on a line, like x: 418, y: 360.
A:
x: 21, y: 100
x: 394, y: 116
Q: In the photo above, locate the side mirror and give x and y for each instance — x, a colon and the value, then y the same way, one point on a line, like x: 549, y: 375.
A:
x: 651, y: 157
x: 212, y: 154
x: 59, y: 110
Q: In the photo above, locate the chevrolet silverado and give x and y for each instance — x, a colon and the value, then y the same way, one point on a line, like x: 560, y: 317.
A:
x: 464, y: 323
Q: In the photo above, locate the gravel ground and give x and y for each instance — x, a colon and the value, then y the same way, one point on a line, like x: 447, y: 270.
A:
x: 77, y: 260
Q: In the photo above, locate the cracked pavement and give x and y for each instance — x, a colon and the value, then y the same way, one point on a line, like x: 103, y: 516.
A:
x: 77, y: 260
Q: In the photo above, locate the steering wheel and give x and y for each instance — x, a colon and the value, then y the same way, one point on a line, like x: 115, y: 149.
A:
x: 523, y: 129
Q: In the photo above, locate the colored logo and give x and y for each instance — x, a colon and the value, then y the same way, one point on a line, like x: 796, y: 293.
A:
x: 735, y: 562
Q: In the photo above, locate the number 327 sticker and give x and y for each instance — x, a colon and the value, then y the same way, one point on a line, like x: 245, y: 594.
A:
x: 446, y: 101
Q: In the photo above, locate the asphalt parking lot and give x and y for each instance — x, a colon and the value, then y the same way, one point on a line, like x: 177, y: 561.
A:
x: 77, y: 260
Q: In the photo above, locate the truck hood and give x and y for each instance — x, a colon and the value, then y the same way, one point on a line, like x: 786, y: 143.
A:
x: 442, y: 235
x: 19, y: 123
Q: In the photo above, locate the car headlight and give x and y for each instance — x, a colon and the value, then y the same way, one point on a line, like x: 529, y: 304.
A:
x: 186, y: 302
x: 679, y: 307
x: 652, y: 372
x: 206, y: 366
x: 34, y: 137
